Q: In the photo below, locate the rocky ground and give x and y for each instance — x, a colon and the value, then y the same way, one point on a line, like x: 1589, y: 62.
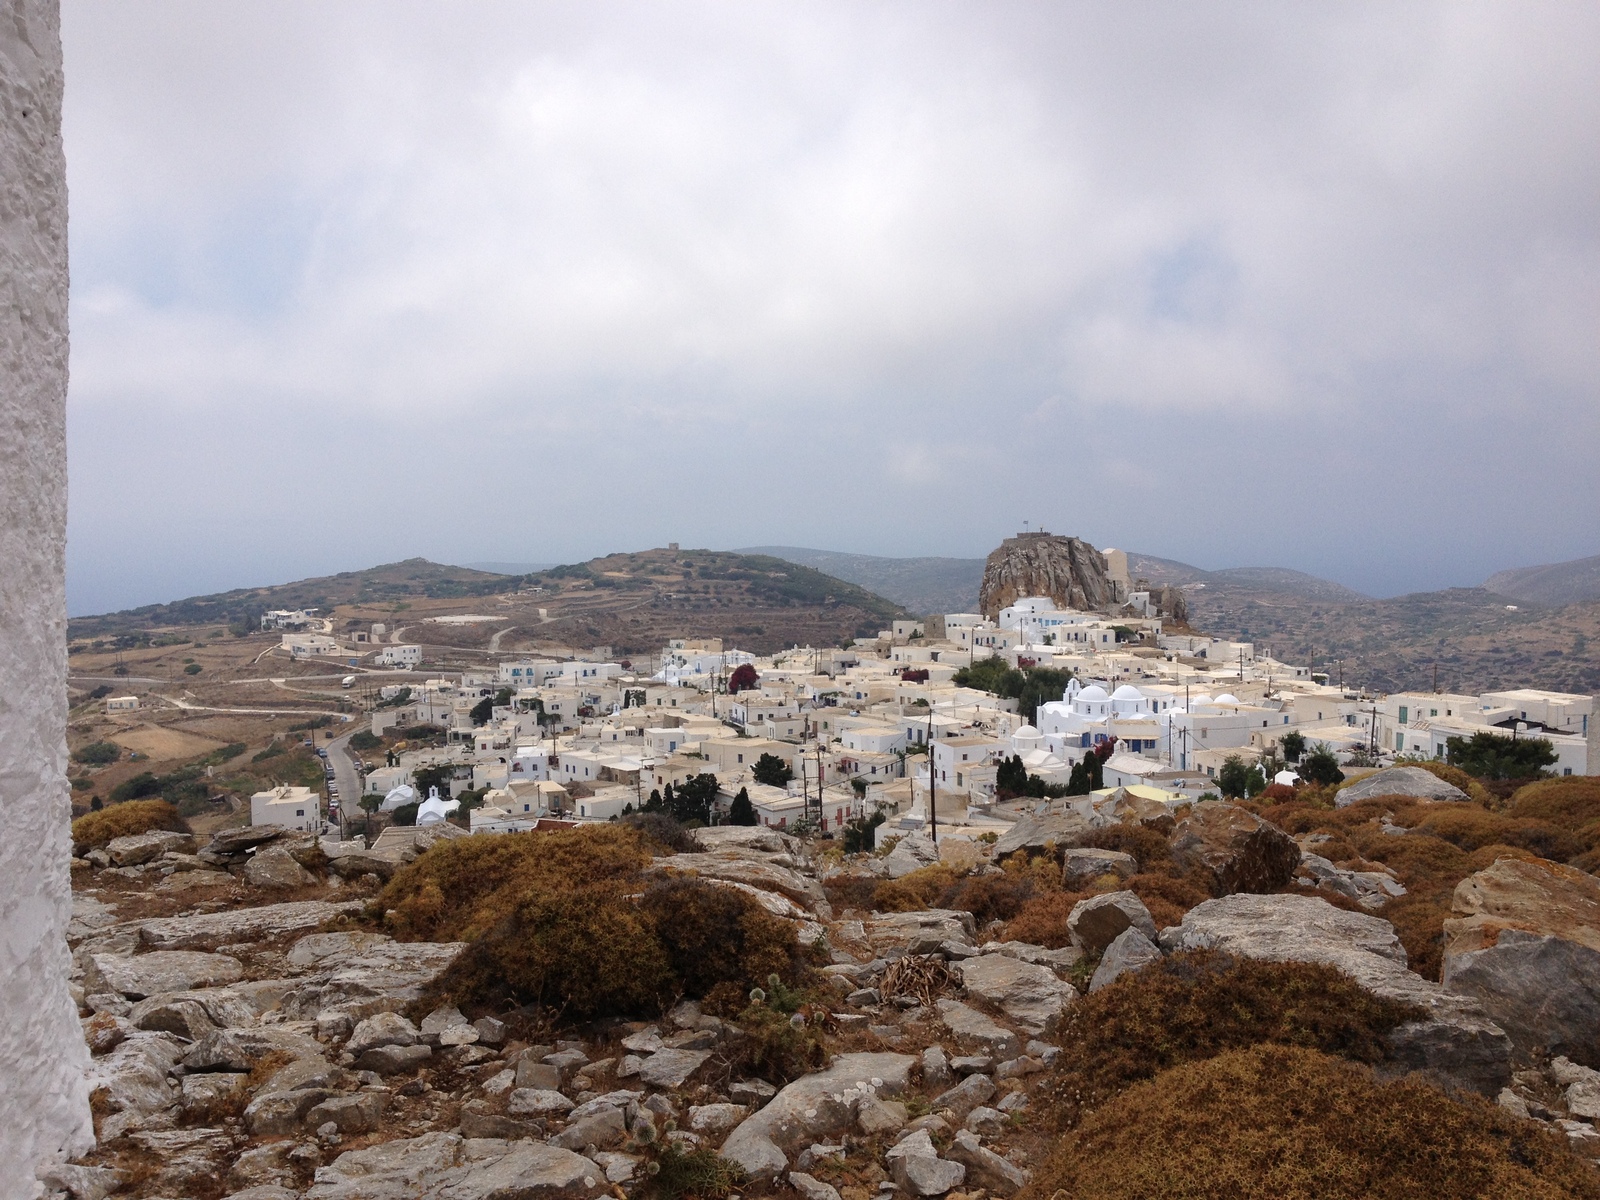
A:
x: 255, y: 1036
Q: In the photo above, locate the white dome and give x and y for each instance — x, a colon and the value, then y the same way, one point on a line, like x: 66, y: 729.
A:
x: 1202, y: 698
x: 1226, y: 698
x: 1127, y: 692
x: 1094, y: 692
x: 397, y: 798
x: 1027, y: 731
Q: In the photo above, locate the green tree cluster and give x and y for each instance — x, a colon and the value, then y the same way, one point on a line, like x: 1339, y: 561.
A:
x: 1029, y: 687
x: 772, y: 771
x: 1494, y: 756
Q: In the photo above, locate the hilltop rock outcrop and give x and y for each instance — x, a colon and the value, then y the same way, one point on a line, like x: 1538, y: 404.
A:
x: 1070, y: 571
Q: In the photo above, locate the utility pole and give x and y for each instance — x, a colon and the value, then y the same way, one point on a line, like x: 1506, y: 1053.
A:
x: 933, y: 806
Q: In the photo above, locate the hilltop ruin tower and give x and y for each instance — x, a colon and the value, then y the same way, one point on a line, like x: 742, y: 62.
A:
x: 44, y: 1103
x: 1070, y: 571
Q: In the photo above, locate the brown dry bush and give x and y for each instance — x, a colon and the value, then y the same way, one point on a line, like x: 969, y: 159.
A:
x: 1571, y: 802
x: 125, y: 820
x: 911, y: 893
x: 1043, y: 920
x: 1150, y: 849
x: 1196, y: 1005
x: 1277, y: 1122
x: 988, y: 898
x: 568, y: 920
x: 1471, y: 828
x: 851, y: 892
x: 1169, y: 896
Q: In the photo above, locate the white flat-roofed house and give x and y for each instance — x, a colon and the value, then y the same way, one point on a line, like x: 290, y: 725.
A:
x: 311, y: 645
x: 122, y: 704
x: 292, y: 807
x: 402, y: 655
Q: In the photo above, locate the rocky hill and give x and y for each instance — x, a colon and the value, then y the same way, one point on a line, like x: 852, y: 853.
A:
x: 1068, y: 570
x: 1552, y: 585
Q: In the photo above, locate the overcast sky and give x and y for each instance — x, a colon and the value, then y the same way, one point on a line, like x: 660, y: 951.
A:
x: 1278, y: 284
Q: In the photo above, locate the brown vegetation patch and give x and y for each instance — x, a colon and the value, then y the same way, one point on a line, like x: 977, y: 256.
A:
x: 567, y: 919
x: 125, y: 820
x: 1274, y: 1122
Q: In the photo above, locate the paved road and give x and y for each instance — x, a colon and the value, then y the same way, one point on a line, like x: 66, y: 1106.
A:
x: 344, y: 771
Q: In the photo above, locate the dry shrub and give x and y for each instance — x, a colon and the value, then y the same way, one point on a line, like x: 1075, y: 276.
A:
x: 851, y: 892
x: 1277, y: 1122
x: 125, y: 820
x: 1043, y: 920
x: 1454, y: 776
x: 486, y: 879
x: 774, y: 1047
x: 911, y: 893
x: 1571, y: 803
x: 667, y: 835
x: 1471, y: 827
x: 1196, y: 1005
x: 568, y: 920
x: 923, y: 977
x: 1149, y: 847
x: 1168, y: 897
x: 674, y: 1171
x: 1275, y: 793
x: 997, y: 897
x: 715, y: 934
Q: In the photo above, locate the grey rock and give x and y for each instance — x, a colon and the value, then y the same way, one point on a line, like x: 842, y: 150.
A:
x: 439, y: 1020
x: 1033, y: 997
x: 357, y: 1113
x: 532, y: 1074
x: 382, y: 1029
x: 1130, y: 951
x: 139, y: 848
x: 864, y: 998
x: 241, y: 1049
x: 393, y: 1060
x: 811, y: 1188
x: 460, y: 1036
x: 895, y: 932
x: 479, y: 1121
x: 918, y: 1169
x: 205, y: 1091
x: 970, y: 1093
x: 1059, y: 961
x: 936, y: 1067
x: 273, y: 1114
x: 265, y: 1191
x: 447, y: 1166
x: 619, y: 1168
x: 566, y: 1060
x: 537, y: 1102
x: 186, y: 1018
x: 1082, y: 865
x: 80, y: 1182
x: 1013, y: 1102
x: 875, y: 1117
x: 985, y: 1167
x: 671, y: 1068
x: 985, y: 1120
x: 971, y: 1026
x: 715, y: 1120
x: 1016, y: 1068
x: 812, y: 1107
x: 971, y: 1064
x: 603, y: 1130
x: 1543, y: 990
x: 139, y: 975
x: 267, y: 922
x: 912, y: 853
x: 1055, y: 832
x: 134, y: 1073
x: 1096, y: 922
x: 1456, y: 1038
x: 1370, y: 889
x: 1241, y: 851
x: 491, y: 1030
x: 752, y: 1093
x: 275, y: 867
x: 1398, y: 781
x: 220, y: 1007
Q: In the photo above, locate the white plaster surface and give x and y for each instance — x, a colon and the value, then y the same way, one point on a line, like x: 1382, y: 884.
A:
x: 44, y: 1108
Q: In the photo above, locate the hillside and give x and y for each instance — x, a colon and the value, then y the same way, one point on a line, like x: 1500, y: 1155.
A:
x: 242, y: 607
x: 923, y: 585
x: 630, y: 602
x: 1551, y: 585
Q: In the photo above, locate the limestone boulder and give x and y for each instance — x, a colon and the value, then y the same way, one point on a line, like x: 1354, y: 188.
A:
x: 139, y: 848
x: 1053, y: 832
x: 754, y: 869
x: 1239, y: 850
x: 1032, y: 997
x: 242, y: 1049
x: 1098, y: 921
x: 355, y: 861
x: 1370, y: 889
x: 450, y: 1167
x: 918, y: 1169
x: 812, y: 1109
x: 133, y: 1076
x: 139, y: 975
x: 276, y: 867
x: 1398, y: 781
x: 373, y: 977
x: 921, y: 932
x: 973, y: 1028
x: 758, y: 838
x: 670, y: 1068
x: 264, y: 923
x: 1082, y: 865
x: 984, y: 1167
x: 1527, y: 947
x: 911, y: 853
x: 382, y: 1029
x: 1130, y: 807
x: 1455, y: 1036
x: 1131, y: 950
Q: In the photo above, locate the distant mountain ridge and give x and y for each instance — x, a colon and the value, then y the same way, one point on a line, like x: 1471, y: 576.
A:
x: 1552, y: 584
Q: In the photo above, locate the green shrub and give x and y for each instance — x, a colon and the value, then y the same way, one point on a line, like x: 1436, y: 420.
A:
x: 1274, y: 1122
x: 364, y: 740
x: 97, y: 754
x: 141, y: 785
x: 271, y: 751
x: 674, y: 1172
x: 192, y: 669
x: 125, y: 820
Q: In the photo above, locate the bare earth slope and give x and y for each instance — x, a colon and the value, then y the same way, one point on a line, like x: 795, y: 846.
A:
x: 1552, y: 584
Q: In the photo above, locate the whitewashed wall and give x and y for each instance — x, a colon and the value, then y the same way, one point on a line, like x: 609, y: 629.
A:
x: 44, y: 1109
